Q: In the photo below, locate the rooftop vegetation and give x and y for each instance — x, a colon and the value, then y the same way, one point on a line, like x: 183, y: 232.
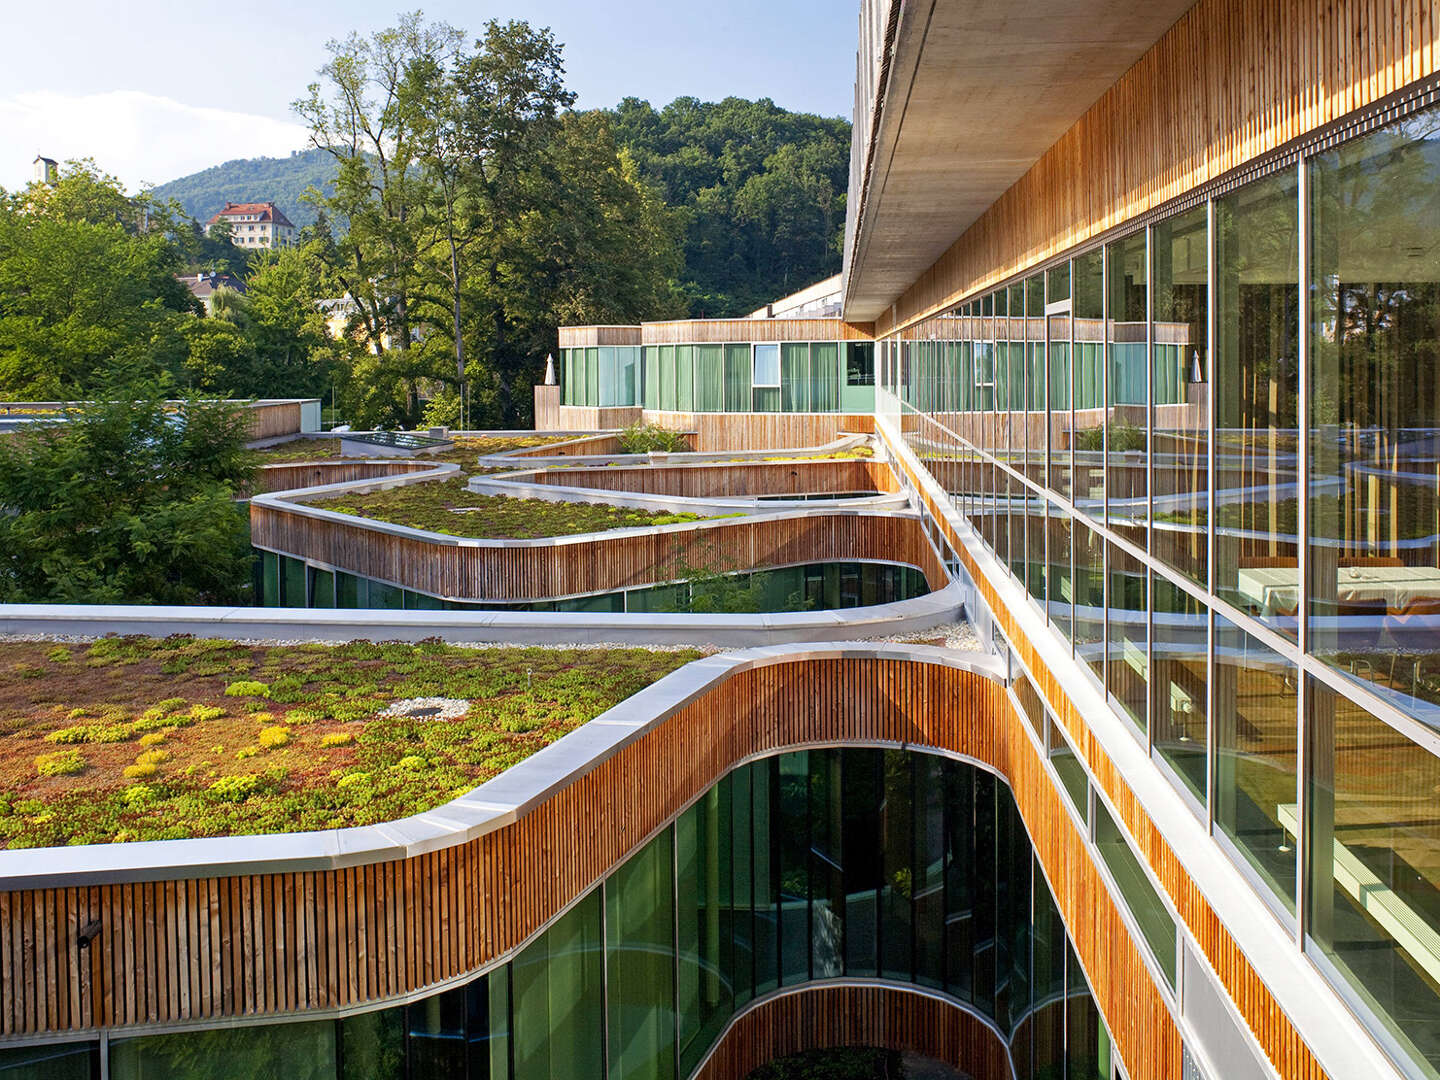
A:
x: 465, y: 452
x: 449, y: 507
x: 143, y: 739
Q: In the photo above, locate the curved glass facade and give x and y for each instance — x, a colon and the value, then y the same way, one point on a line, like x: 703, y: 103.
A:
x: 1210, y: 452
x: 283, y: 581
x: 801, y: 867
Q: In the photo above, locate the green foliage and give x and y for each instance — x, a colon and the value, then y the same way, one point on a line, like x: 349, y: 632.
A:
x: 126, y: 503
x: 279, y: 180
x: 762, y: 191
x: 449, y: 507
x: 84, y: 290
x: 60, y: 763
x: 1123, y: 436
x: 345, y: 764
x: 235, y: 788
x: 652, y: 438
x: 247, y: 688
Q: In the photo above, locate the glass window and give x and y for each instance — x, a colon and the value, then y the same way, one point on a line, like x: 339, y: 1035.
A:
x: 1254, y: 701
x: 436, y: 1028
x: 1088, y: 626
x: 709, y: 378
x: 1374, y: 851
x: 705, y: 922
x: 304, y: 1051
x: 929, y: 869
x: 557, y: 986
x: 685, y: 378
x: 824, y: 376
x: 1127, y: 669
x: 863, y: 869
x: 897, y: 893
x: 767, y: 366
x: 1257, y: 390
x: 737, y: 378
x: 1127, y: 387
x: 1179, y: 682
x: 827, y: 878
x: 1179, y: 375
x: 792, y: 831
x: 1072, y: 773
x: 1375, y: 411
x: 61, y: 1061
x: 640, y: 956
x: 1156, y: 923
x: 794, y: 377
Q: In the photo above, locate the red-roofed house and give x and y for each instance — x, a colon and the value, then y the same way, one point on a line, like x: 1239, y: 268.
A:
x: 255, y: 225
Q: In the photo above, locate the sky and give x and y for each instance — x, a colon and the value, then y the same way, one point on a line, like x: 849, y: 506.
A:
x: 157, y: 90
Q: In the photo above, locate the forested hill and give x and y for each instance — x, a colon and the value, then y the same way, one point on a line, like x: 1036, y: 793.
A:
x: 763, y: 191
x: 277, y: 180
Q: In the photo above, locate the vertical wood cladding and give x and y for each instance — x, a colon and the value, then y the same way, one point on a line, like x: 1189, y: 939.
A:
x: 1273, y: 1030
x: 730, y: 479
x: 1231, y: 81
x: 274, y: 943
x: 825, y: 1017
x: 271, y: 420
x: 740, y: 331
x: 314, y: 473
x: 599, y: 563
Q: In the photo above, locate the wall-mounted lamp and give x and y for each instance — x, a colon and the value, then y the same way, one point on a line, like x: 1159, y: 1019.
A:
x: 89, y: 932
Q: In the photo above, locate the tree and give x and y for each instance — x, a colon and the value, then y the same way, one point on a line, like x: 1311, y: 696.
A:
x: 87, y: 287
x: 762, y: 191
x: 124, y: 502
x: 363, y: 115
x: 485, y: 121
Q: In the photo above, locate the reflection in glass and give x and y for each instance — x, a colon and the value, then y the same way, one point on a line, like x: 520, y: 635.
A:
x: 1257, y: 394
x: 640, y: 973
x: 1375, y: 410
x: 1179, y: 375
x: 1088, y: 383
x: 1127, y: 668
x: 1254, y: 709
x: 1141, y: 897
x: 1126, y: 384
x: 1179, y: 681
x: 1089, y: 619
x: 1374, y: 851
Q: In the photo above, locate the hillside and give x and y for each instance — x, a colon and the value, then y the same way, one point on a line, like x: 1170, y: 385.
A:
x: 760, y: 190
x: 277, y: 180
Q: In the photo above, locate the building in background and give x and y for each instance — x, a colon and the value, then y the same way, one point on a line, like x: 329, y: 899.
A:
x: 46, y: 171
x: 204, y: 285
x: 255, y: 225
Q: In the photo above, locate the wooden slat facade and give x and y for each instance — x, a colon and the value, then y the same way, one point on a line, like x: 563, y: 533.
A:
x: 1232, y: 81
x: 728, y: 479
x: 825, y: 1017
x: 294, y: 475
x: 580, y: 337
x: 1277, y: 1036
x: 722, y: 331
x: 521, y: 571
x: 763, y: 431
x: 328, y: 940
x: 269, y: 420
x: 591, y: 418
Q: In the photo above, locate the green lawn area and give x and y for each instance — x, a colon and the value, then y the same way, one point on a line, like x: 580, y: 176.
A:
x: 144, y: 739
x: 433, y: 506
x: 465, y: 452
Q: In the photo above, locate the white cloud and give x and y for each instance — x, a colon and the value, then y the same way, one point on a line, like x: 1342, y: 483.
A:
x: 141, y: 138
